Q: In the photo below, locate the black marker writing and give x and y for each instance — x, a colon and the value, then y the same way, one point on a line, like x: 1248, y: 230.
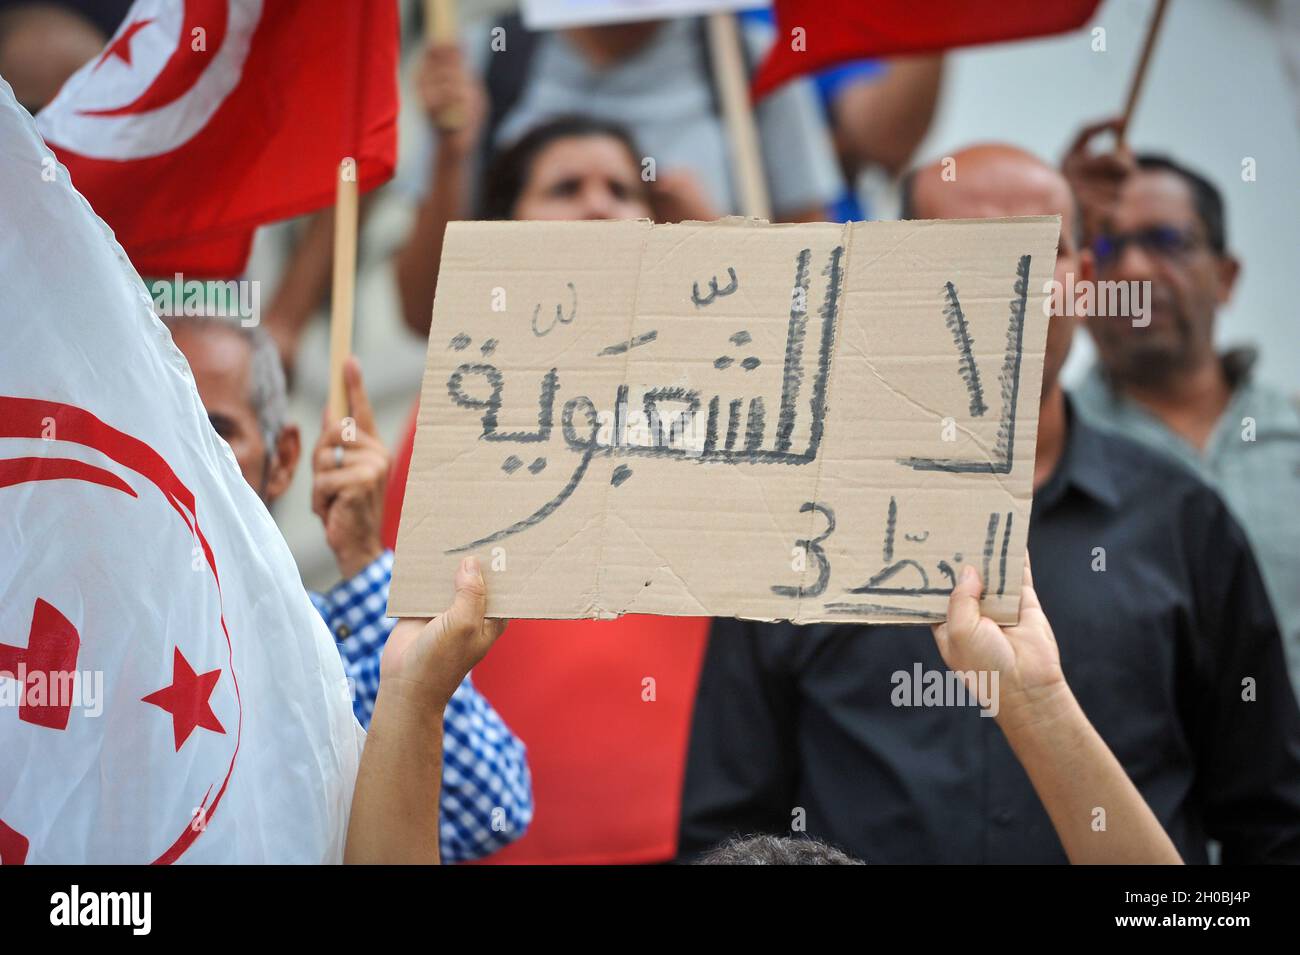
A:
x: 559, y: 318
x: 1004, y: 454
x: 812, y: 546
x: 966, y: 366
x: 714, y: 291
x: 621, y: 347
x: 755, y: 427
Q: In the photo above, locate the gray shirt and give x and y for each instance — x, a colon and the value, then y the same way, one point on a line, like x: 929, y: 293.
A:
x: 1252, y: 458
x: 664, y: 96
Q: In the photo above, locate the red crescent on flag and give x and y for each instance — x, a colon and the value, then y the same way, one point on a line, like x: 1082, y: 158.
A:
x: 26, y: 418
x: 184, y: 67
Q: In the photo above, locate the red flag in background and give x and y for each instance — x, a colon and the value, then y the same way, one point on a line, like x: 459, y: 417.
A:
x: 203, y: 119
x: 839, y: 30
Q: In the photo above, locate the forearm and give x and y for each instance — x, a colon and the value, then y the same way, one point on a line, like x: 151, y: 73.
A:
x: 1075, y: 774
x: 307, y: 276
x: 420, y: 257
x: 395, y: 805
x: 885, y: 120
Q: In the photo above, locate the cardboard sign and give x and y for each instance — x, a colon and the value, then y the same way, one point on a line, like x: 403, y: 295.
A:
x: 554, y: 14
x: 806, y: 422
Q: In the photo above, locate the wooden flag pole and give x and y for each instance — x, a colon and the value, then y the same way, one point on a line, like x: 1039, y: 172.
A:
x: 1135, y: 88
x: 441, y: 27
x: 440, y: 21
x: 343, y: 296
x: 738, y: 113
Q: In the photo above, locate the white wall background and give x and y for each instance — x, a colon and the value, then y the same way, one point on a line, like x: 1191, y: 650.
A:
x: 1216, y: 92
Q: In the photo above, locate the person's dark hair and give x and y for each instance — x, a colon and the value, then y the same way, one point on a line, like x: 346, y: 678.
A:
x: 775, y: 850
x: 508, y: 171
x: 1206, y: 197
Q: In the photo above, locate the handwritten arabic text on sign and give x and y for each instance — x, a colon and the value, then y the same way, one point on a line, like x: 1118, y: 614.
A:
x: 813, y: 422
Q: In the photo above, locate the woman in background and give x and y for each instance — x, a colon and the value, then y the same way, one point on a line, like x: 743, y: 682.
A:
x: 603, y: 707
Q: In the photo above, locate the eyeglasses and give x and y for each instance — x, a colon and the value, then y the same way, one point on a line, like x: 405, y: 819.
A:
x: 1164, y: 241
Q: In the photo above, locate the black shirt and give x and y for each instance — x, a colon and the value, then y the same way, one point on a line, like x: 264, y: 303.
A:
x: 1171, y: 650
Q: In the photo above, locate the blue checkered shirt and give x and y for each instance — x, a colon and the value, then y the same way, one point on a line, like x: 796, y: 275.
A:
x: 487, y: 793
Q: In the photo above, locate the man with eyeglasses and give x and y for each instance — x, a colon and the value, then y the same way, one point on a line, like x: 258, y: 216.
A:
x: 1162, y: 382
x: 1166, y: 638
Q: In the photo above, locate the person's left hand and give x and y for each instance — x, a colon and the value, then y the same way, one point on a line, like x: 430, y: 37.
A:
x: 1025, y: 655
x: 431, y: 657
x: 349, y: 474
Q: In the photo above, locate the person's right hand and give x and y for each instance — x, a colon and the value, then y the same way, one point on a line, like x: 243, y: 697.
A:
x: 1024, y: 655
x: 1097, y: 177
x: 453, y: 98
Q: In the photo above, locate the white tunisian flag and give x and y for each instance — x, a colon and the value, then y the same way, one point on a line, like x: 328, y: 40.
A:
x: 167, y: 692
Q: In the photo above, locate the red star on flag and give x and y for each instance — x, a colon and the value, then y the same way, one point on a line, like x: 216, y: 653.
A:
x: 121, y: 47
x: 187, y: 700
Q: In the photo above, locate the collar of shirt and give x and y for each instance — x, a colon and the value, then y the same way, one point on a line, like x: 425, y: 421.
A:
x: 1273, y: 414
x: 1084, y: 467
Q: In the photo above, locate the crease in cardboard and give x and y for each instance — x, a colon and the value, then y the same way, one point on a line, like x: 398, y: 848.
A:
x: 597, y: 598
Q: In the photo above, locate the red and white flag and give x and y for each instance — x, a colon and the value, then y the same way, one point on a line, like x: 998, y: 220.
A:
x: 167, y: 691
x: 815, y: 34
x: 203, y: 119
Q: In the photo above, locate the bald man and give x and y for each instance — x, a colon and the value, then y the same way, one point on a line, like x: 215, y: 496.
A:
x: 1165, y: 635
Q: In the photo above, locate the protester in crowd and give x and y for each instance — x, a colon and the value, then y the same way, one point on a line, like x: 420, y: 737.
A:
x: 240, y: 381
x: 1069, y: 764
x: 1165, y: 633
x: 1159, y: 378
x: 879, y: 111
x: 606, y: 761
x: 449, y: 88
x: 41, y: 45
x: 654, y: 78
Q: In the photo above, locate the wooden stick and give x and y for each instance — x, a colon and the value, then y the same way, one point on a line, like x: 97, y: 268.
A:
x: 440, y: 21
x: 441, y: 27
x: 1140, y: 75
x: 343, y: 296
x: 738, y: 114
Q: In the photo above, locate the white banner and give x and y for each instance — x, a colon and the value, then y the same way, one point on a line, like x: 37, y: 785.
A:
x: 552, y: 14
x: 167, y: 691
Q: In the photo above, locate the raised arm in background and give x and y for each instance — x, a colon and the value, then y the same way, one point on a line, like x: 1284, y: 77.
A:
x: 882, y: 121
x: 456, y: 105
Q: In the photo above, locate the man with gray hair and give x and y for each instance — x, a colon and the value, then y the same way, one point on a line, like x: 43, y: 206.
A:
x: 486, y: 800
